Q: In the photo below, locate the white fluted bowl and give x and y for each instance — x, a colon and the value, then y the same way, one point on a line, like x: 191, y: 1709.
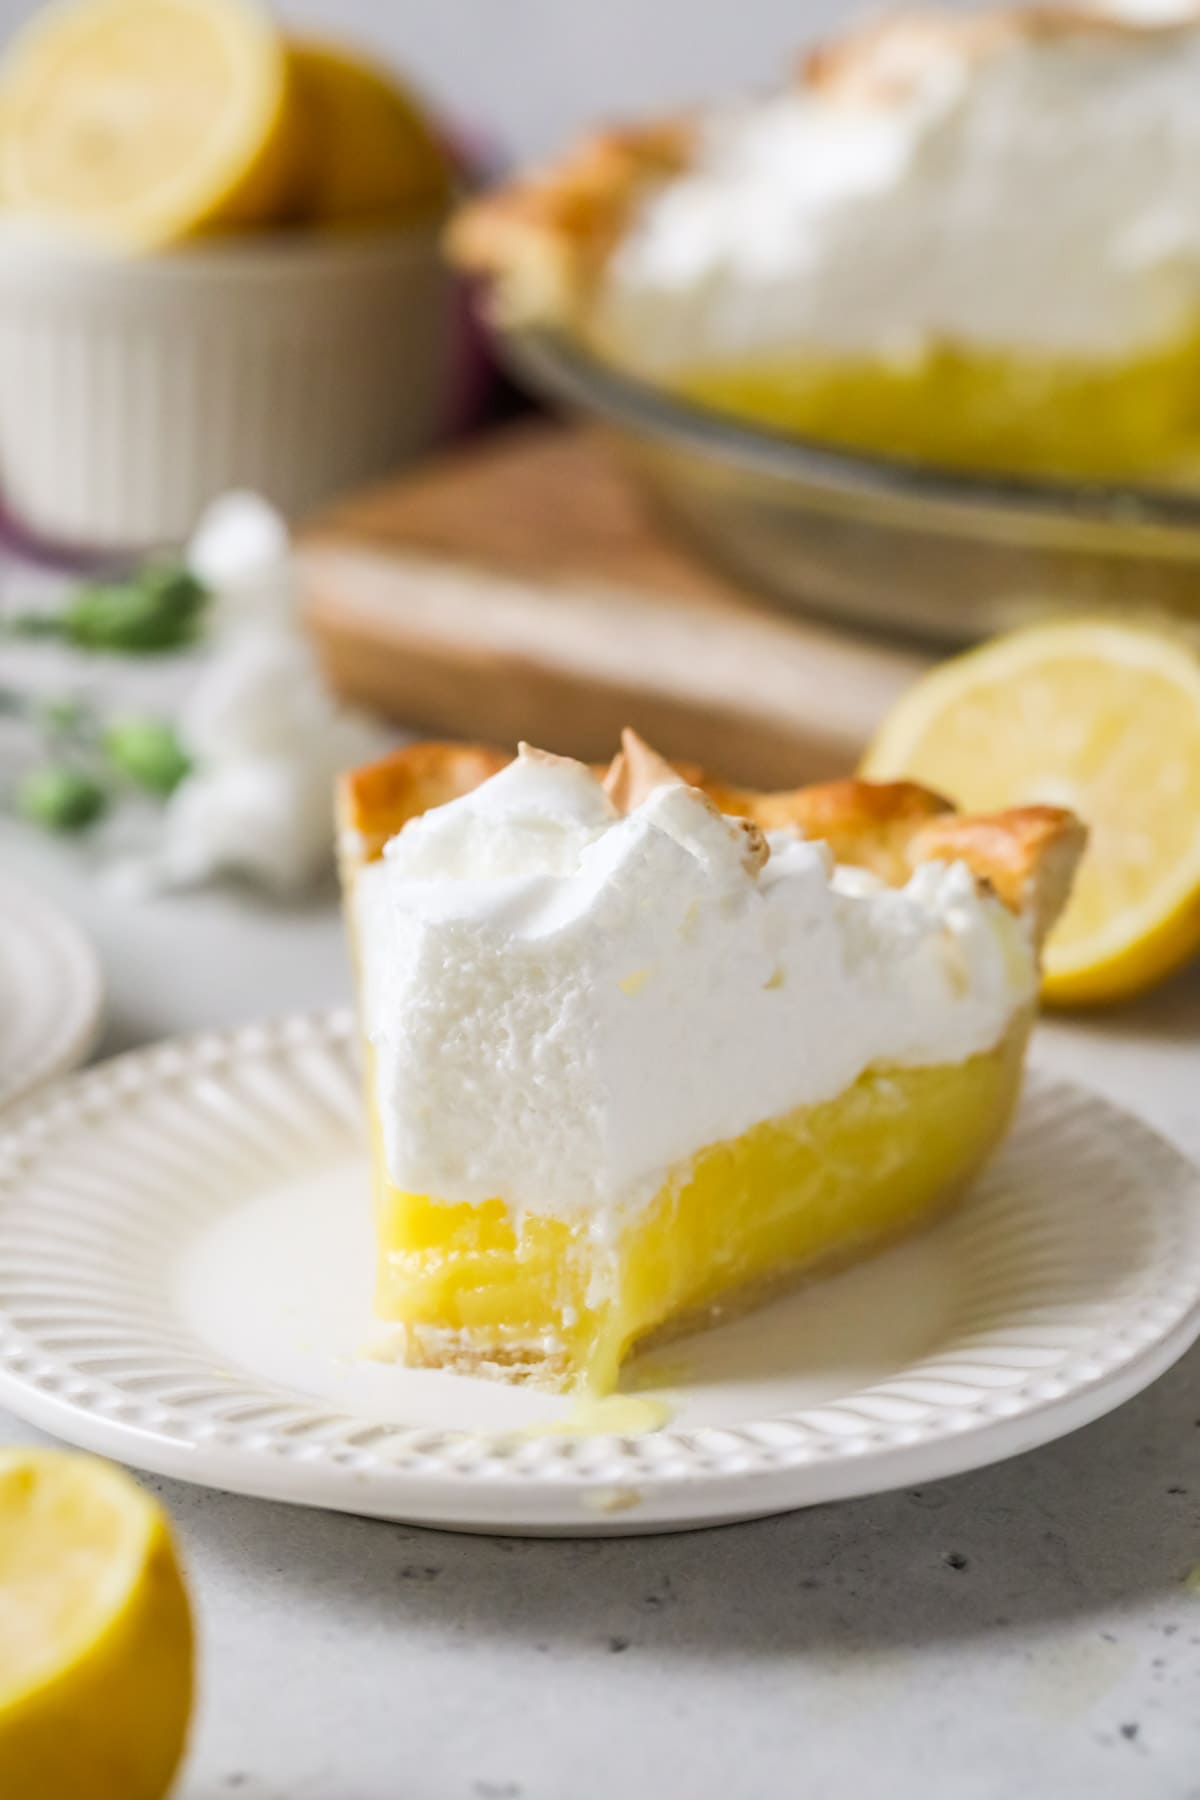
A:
x: 133, y: 390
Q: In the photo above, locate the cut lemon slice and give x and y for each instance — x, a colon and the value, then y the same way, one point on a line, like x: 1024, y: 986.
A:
x: 95, y: 1633
x: 1103, y: 718
x: 140, y: 122
x: 373, y: 156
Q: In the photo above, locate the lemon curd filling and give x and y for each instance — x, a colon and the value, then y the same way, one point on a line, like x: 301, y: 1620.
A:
x: 512, y: 1292
x: 971, y: 409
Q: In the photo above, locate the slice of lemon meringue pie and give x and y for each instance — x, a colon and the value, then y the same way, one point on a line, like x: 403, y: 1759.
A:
x: 643, y: 1048
x: 968, y: 238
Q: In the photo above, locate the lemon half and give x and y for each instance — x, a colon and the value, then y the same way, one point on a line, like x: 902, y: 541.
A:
x: 1103, y: 718
x: 95, y: 1634
x: 373, y: 156
x: 141, y: 122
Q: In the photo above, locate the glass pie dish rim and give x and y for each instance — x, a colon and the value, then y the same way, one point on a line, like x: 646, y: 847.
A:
x: 560, y: 367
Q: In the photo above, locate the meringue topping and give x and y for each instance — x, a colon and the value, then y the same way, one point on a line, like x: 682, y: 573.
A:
x: 570, y: 992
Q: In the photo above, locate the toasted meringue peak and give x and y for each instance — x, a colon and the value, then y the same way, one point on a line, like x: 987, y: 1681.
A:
x: 549, y: 759
x: 635, y: 771
x: 638, y: 771
x: 756, y: 851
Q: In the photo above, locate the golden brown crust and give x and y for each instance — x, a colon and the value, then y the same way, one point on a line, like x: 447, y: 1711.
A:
x: 868, y: 823
x: 376, y: 800
x: 1028, y: 855
x: 543, y: 238
x: 547, y: 234
x: 544, y: 1366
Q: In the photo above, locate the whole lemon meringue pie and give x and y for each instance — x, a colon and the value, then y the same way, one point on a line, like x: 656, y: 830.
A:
x: 642, y: 1048
x: 972, y: 240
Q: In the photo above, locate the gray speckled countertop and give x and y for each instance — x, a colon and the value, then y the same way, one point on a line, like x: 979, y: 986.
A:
x: 1020, y: 1632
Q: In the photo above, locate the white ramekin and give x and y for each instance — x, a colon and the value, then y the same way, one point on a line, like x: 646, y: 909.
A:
x: 132, y: 391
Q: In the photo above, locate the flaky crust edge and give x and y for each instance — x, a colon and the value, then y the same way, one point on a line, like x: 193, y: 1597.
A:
x: 543, y: 238
x: 1026, y: 855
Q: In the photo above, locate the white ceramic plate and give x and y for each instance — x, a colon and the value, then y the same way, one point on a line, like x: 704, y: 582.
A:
x: 185, y: 1274
x: 51, y: 994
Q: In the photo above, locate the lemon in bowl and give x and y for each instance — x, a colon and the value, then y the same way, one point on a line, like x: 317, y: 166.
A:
x: 142, y: 122
x: 218, y: 268
x: 372, y: 154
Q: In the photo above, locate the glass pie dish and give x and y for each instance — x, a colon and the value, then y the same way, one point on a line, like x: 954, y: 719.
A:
x: 941, y: 554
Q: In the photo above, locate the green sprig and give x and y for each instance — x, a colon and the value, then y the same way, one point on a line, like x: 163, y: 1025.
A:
x: 86, y: 759
x: 161, y: 608
x: 147, y: 752
x: 73, y: 787
x: 61, y: 798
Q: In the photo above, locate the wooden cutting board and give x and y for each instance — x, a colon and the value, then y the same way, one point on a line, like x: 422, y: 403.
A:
x: 518, y: 589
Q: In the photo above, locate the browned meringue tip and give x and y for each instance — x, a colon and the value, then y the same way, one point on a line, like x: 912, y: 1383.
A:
x: 756, y: 852
x: 549, y: 759
x: 635, y: 771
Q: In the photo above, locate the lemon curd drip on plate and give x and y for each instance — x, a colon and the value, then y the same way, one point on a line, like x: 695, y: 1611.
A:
x: 632, y: 1063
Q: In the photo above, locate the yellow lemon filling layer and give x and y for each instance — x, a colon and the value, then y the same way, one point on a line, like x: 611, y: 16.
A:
x: 1139, y: 419
x: 476, y: 1288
